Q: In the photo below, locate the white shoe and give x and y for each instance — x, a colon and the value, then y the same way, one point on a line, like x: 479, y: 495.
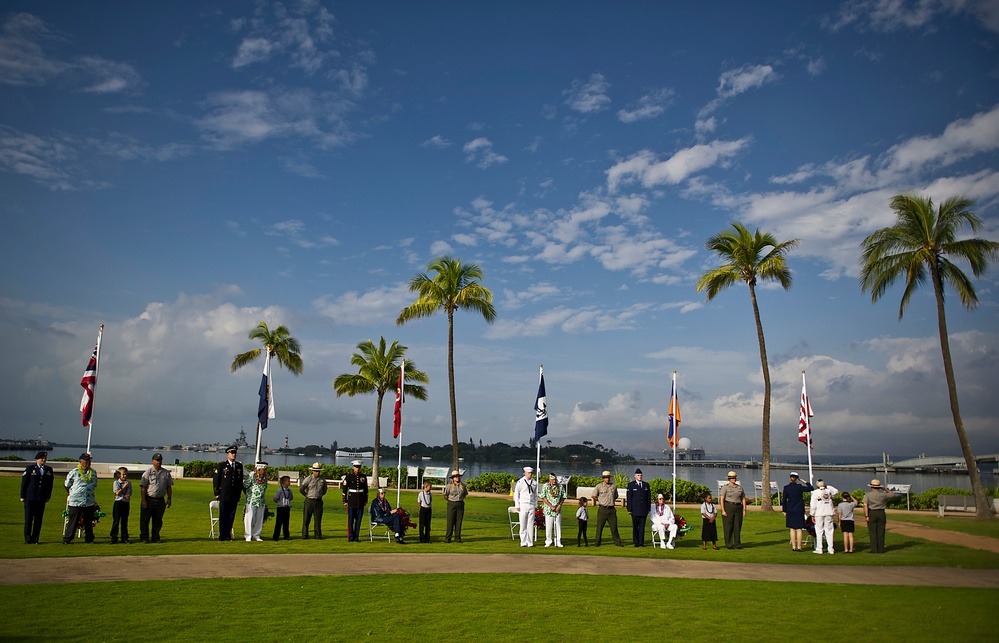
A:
x: 669, y: 546
x: 548, y: 544
x: 559, y: 546
x: 258, y: 539
x: 248, y: 539
x: 831, y: 552
x: 817, y: 551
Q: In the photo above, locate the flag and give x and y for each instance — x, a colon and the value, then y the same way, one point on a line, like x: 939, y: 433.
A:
x: 265, y: 409
x: 397, y: 426
x: 89, y: 384
x: 673, y: 433
x: 541, y: 411
x: 805, y: 412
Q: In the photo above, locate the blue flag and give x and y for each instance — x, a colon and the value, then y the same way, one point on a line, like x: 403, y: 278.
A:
x: 265, y: 408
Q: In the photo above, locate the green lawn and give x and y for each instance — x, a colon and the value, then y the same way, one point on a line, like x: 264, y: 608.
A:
x: 486, y: 531
x: 963, y: 524
x: 493, y: 607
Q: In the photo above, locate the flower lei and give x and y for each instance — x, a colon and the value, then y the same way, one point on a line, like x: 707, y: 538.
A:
x: 87, y: 475
x: 260, y: 476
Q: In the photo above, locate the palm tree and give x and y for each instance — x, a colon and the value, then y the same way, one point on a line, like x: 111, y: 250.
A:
x: 277, y: 342
x: 378, y: 372
x: 921, y: 242
x: 751, y: 257
x: 454, y: 286
x: 282, y: 346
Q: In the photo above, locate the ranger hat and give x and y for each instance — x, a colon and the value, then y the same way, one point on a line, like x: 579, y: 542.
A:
x: 875, y: 484
x: 731, y: 474
x: 605, y: 474
x: 316, y: 466
x: 456, y: 474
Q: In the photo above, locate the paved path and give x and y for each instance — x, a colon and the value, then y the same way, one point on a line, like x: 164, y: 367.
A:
x: 945, y: 536
x: 123, y: 568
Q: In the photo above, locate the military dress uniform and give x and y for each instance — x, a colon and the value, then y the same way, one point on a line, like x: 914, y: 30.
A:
x: 228, y: 481
x: 638, y: 500
x: 36, y: 490
x: 355, y: 498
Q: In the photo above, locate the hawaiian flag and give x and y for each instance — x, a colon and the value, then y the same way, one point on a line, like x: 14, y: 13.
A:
x: 89, y: 384
x: 673, y: 433
x: 541, y: 411
x: 399, y: 394
x: 805, y: 412
x: 265, y: 408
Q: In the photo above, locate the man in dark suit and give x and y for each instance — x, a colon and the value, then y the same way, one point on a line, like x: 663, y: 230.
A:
x: 228, y: 481
x: 36, y: 489
x: 638, y: 501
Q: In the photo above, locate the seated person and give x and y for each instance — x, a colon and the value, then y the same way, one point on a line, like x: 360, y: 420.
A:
x: 663, y: 521
x: 383, y: 514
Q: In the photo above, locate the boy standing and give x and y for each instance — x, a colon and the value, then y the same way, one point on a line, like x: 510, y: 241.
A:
x: 122, y: 495
x: 425, y: 498
x: 283, y: 498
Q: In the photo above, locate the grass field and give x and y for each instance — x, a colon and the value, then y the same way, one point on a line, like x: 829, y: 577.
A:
x: 492, y: 607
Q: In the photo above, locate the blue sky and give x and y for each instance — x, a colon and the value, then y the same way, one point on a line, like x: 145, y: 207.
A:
x: 181, y: 171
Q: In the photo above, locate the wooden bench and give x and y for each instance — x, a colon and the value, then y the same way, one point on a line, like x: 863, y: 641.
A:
x: 955, y: 503
x: 589, y: 492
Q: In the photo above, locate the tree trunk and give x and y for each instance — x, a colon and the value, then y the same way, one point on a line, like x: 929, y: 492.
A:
x: 378, y: 437
x: 983, y: 508
x: 450, y: 383
x: 767, y: 503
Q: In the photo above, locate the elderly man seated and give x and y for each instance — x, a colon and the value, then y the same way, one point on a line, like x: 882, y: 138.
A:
x: 383, y: 514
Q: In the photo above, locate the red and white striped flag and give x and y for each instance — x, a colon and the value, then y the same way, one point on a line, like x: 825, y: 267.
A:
x: 89, y: 382
x: 804, y: 413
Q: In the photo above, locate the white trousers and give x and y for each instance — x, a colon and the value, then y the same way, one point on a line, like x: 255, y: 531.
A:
x: 823, y: 525
x: 526, y: 526
x: 253, y: 522
x: 661, y: 529
x: 553, y: 529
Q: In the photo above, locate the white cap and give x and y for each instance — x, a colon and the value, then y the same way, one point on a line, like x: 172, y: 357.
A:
x: 528, y: 470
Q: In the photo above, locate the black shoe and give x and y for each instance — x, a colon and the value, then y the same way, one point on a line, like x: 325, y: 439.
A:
x: 457, y: 540
x: 126, y: 542
x: 114, y: 541
x: 447, y: 540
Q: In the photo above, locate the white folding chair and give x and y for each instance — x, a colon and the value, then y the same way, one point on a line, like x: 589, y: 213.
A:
x: 515, y: 523
x: 213, y: 508
x: 375, y: 525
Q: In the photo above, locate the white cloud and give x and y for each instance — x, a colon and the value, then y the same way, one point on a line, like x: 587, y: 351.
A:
x: 893, y: 15
x: 480, y: 151
x: 590, y: 96
x: 437, y: 141
x: 378, y: 306
x: 737, y: 81
x: 648, y: 106
x: 650, y: 172
x: 252, y: 50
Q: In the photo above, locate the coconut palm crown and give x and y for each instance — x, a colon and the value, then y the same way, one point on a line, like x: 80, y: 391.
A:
x: 750, y: 257
x: 378, y: 372
x: 453, y: 286
x: 279, y: 342
x: 919, y: 247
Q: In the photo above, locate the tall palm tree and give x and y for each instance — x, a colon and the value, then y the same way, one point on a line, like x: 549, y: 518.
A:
x: 920, y: 244
x: 378, y: 372
x: 279, y: 343
x: 454, y: 286
x: 751, y: 257
x: 282, y: 346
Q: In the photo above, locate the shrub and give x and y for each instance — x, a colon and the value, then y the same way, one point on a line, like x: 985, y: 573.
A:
x: 491, y: 483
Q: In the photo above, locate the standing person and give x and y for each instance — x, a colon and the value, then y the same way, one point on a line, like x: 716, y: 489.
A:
x: 525, y: 502
x: 709, y: 528
x: 552, y: 498
x: 582, y: 522
x: 355, y: 498
x: 81, y: 485
x: 454, y: 493
x: 36, y: 490
x: 604, y: 496
x: 157, y: 496
x: 121, y: 508
x: 823, y: 511
x: 228, y: 482
x: 256, y: 502
x: 638, y: 501
x: 282, y: 517
x: 794, y: 508
x: 313, y: 488
x: 875, y: 503
x: 733, y: 502
x: 844, y: 511
x: 663, y: 521
x: 426, y: 501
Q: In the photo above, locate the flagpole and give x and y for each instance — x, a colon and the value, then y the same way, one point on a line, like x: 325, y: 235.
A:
x: 676, y: 439
x: 537, y: 466
x: 267, y: 359
x: 398, y: 474
x: 93, y: 394
x: 808, y: 426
